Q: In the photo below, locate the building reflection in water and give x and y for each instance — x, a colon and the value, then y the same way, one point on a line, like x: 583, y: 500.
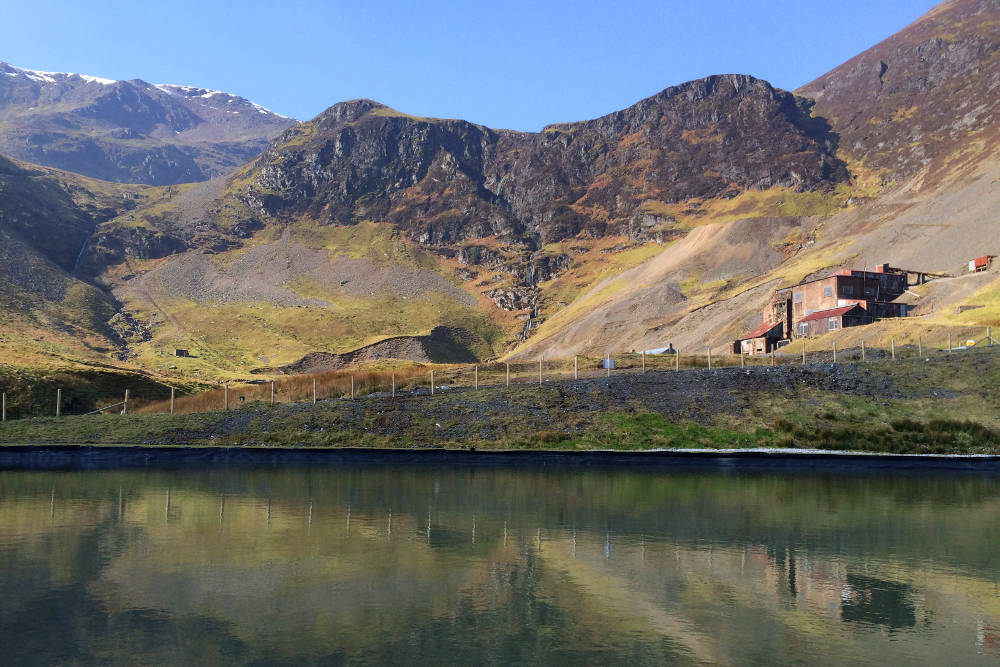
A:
x: 388, y: 565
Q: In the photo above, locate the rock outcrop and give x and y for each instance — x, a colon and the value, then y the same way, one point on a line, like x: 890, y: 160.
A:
x: 448, y: 181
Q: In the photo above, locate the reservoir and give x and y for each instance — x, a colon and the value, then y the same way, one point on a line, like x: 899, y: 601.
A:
x: 498, y: 565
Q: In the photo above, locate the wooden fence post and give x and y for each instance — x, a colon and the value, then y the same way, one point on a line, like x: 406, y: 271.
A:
x: 171, y: 400
x: 835, y: 352
x: 892, y: 347
x: 920, y: 346
x: 432, y: 383
x: 272, y: 392
x: 709, y: 358
x: 803, y: 352
x: 989, y: 336
x: 862, y: 350
x: 125, y: 408
x: 352, y: 387
x: 477, y: 378
x: 644, y: 362
x: 576, y: 367
x: 314, y: 390
x: 394, y: 385
x: 772, y: 356
x: 539, y: 371
x: 742, y: 362
x: 58, y: 402
x: 508, y: 375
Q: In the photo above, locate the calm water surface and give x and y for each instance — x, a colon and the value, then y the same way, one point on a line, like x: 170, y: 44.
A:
x: 384, y: 565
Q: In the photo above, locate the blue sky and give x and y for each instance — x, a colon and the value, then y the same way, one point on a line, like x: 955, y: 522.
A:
x: 517, y: 65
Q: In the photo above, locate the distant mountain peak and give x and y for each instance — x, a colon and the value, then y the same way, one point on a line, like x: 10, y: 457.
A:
x: 195, y: 93
x: 40, y: 76
x: 129, y: 131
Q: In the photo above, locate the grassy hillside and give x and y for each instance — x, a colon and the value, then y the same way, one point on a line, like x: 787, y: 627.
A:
x: 284, y: 293
x: 941, y: 403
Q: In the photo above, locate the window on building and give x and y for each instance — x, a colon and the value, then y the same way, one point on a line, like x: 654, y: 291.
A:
x: 797, y: 297
x: 833, y: 324
x: 848, y: 290
x: 803, y: 328
x: 827, y: 291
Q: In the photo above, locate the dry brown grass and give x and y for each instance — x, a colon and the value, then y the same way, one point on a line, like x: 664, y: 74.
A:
x: 877, y: 339
x: 330, y: 384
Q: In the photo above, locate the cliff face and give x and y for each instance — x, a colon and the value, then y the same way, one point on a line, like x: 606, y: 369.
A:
x: 445, y: 181
x: 129, y: 131
x: 366, y: 224
x: 920, y: 94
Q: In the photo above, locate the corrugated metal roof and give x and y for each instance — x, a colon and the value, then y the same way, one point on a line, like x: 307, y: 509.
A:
x: 833, y: 312
x: 759, y: 331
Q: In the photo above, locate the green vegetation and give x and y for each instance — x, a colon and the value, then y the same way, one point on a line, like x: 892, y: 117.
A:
x: 621, y: 430
x: 752, y: 204
x: 947, y: 405
x: 31, y: 390
x: 987, y: 312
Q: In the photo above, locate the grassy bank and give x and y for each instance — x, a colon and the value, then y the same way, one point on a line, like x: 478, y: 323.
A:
x: 946, y: 404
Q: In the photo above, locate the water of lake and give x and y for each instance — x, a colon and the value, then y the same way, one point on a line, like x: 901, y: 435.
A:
x: 497, y: 566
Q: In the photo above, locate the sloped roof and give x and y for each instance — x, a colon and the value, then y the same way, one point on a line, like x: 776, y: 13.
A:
x: 832, y: 312
x: 760, y: 331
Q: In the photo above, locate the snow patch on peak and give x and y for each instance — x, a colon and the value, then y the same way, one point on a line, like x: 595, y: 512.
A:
x: 190, y: 91
x: 51, y: 77
x: 268, y: 112
x: 193, y: 92
x: 33, y: 74
x: 97, y: 79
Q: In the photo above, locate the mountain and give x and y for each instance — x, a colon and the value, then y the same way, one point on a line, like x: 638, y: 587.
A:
x: 365, y: 211
x: 46, y: 220
x: 446, y: 181
x: 365, y: 232
x: 916, y: 119
x: 921, y: 95
x: 129, y: 131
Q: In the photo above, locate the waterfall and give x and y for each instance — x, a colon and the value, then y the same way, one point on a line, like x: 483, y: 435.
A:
x: 79, y: 255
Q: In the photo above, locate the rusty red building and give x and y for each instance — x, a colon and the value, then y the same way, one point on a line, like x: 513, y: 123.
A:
x: 847, y: 298
x: 824, y: 321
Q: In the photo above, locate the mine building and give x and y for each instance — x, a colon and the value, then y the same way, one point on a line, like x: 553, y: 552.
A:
x: 847, y: 298
x: 761, y: 340
x: 824, y: 321
x: 981, y: 263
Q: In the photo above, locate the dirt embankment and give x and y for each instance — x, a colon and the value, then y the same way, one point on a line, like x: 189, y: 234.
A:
x: 442, y: 346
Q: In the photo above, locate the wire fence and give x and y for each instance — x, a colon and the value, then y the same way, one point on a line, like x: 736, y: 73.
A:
x: 435, y: 379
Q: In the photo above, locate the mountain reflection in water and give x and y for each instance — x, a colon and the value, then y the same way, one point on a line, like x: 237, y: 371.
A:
x: 454, y: 565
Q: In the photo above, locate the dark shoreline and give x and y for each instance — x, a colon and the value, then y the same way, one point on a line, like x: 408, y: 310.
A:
x: 90, y: 457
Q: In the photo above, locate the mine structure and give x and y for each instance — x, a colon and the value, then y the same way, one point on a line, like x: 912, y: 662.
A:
x: 848, y: 298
